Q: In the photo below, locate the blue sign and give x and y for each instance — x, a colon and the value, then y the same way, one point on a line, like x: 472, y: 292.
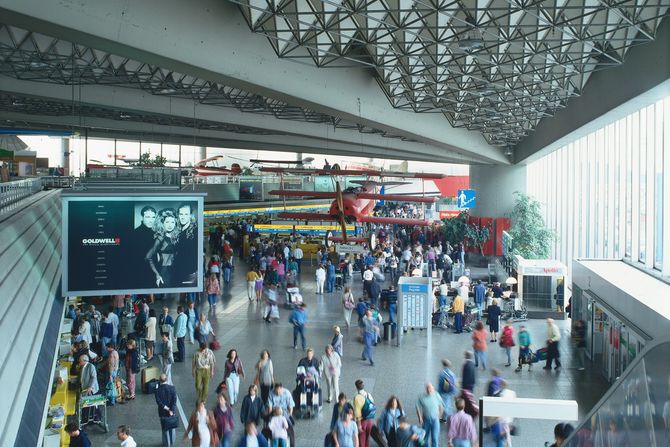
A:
x: 382, y: 191
x: 466, y: 198
x: 414, y: 288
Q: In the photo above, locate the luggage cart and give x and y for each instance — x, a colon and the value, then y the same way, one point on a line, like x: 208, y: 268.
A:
x: 93, y: 402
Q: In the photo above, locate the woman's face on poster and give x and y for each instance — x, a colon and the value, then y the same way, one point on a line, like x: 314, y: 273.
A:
x: 169, y: 224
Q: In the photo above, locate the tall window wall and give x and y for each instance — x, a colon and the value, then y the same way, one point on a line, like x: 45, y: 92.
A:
x: 605, y: 193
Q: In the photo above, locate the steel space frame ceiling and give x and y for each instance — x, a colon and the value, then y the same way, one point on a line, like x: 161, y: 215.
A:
x: 494, y: 66
x: 32, y: 56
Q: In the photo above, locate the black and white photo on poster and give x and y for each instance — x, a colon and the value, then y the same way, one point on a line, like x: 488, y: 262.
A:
x: 139, y: 244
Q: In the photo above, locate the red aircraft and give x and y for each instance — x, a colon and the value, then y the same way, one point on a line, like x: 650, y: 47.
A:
x: 202, y: 169
x: 354, y: 204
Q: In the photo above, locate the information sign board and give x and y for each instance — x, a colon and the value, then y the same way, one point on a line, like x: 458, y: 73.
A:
x: 415, y: 301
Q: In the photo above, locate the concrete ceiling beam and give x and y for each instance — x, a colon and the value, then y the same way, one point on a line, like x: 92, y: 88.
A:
x: 210, y: 40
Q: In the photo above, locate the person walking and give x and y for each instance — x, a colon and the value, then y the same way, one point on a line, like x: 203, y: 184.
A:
x: 336, y: 342
x: 298, y: 255
x: 252, y: 437
x: 338, y: 410
x: 480, y: 298
x: 201, y: 426
x: 192, y: 318
x: 330, y: 276
x: 213, y: 289
x: 320, y: 279
x: 252, y: 276
x: 553, y: 337
x: 524, y: 349
x: 132, y: 363
x: 265, y: 374
x: 180, y: 327
x: 429, y: 410
x: 462, y: 431
x: 112, y: 369
x: 579, y: 334
x: 507, y: 340
x: 150, y: 335
x: 389, y: 420
x: 202, y: 368
x: 166, y: 399
x: 364, y: 412
x: 468, y: 378
x: 167, y: 356
x: 232, y: 372
x: 204, y: 329
x: 446, y: 386
x: 281, y: 397
x: 252, y: 407
x: 346, y: 432
x: 479, y: 344
x: 493, y: 319
x: 78, y: 437
x: 331, y: 365
x: 458, y: 307
x: 298, y: 319
x: 225, y: 422
x: 271, y: 308
x: 369, y: 336
x: 123, y: 435
x: 348, y: 304
x: 259, y: 286
x: 278, y: 426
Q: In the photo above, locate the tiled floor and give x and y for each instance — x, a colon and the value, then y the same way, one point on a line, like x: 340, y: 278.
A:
x: 402, y: 371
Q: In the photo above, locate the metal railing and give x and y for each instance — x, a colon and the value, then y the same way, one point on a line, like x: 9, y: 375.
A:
x: 12, y: 192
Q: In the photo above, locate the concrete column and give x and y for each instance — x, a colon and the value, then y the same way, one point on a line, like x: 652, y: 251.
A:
x: 202, y: 153
x: 64, y: 156
x: 495, y: 186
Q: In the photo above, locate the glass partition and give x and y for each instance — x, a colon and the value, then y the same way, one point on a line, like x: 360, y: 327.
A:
x: 636, y: 410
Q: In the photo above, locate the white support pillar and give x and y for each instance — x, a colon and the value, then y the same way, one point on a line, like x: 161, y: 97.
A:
x: 202, y: 153
x: 64, y: 155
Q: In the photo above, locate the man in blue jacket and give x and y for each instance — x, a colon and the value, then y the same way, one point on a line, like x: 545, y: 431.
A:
x: 480, y: 298
x: 166, y: 399
x: 298, y: 320
x: 330, y: 277
x: 252, y: 437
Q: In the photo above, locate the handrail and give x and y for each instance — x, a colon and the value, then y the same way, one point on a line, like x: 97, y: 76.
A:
x: 632, y: 411
x: 12, y: 192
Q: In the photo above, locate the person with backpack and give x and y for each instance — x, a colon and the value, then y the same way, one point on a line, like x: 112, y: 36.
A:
x: 447, y: 389
x: 507, y: 340
x: 364, y: 412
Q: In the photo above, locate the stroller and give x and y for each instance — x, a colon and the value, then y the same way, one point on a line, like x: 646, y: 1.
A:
x: 307, y: 393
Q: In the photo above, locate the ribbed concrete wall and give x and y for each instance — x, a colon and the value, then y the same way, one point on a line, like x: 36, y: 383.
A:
x: 30, y: 255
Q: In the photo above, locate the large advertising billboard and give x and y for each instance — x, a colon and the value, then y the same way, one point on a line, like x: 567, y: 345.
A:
x: 132, y: 244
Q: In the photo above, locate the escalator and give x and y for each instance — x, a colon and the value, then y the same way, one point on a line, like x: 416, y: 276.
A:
x: 635, y: 411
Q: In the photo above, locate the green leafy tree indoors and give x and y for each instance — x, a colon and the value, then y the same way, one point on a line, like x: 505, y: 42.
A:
x: 455, y: 228
x: 478, y: 235
x: 532, y: 238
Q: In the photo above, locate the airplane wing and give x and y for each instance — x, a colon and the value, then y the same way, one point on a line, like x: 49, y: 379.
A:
x: 396, y: 197
x: 306, y: 216
x: 393, y: 220
x: 317, y: 194
x: 207, y: 160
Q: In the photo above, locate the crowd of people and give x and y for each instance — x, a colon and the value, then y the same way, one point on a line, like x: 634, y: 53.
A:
x: 448, y: 405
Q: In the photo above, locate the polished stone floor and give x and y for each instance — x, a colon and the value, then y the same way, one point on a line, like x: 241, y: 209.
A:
x: 402, y: 371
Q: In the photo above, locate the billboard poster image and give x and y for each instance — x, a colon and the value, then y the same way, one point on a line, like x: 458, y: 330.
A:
x: 132, y: 244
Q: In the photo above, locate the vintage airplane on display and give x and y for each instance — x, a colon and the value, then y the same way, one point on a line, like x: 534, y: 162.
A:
x: 202, y: 168
x: 354, y: 204
x: 304, y: 161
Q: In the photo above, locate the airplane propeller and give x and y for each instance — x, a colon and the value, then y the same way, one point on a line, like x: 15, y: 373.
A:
x: 340, y: 210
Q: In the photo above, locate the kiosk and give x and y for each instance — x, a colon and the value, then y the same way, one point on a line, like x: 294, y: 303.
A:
x: 415, y: 305
x: 541, y: 285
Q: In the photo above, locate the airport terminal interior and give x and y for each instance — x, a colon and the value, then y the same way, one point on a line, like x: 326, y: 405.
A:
x: 335, y: 223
